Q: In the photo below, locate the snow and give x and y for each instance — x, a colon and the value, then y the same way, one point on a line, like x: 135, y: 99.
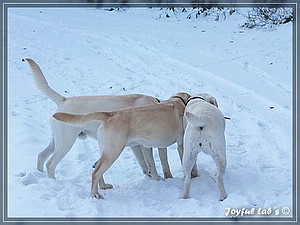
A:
x: 87, y: 51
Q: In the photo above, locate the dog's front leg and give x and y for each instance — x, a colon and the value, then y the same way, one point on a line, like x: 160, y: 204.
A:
x: 164, y: 162
x: 138, y: 153
x: 148, y: 155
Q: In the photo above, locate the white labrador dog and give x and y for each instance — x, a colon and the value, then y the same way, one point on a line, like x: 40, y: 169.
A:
x: 204, y: 132
x: 64, y: 135
x: 158, y: 125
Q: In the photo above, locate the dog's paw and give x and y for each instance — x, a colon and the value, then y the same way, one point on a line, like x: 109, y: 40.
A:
x: 168, y: 175
x: 194, y: 173
x: 97, y: 195
x: 94, y: 165
x: 223, y: 197
x: 147, y: 174
x: 40, y: 168
x: 185, y: 197
x: 106, y: 186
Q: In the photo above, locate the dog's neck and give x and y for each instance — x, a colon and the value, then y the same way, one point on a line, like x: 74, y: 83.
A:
x: 195, y: 97
x: 176, y: 96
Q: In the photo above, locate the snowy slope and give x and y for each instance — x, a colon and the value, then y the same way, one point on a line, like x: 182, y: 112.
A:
x: 93, y: 52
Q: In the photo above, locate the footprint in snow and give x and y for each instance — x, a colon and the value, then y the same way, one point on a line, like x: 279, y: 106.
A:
x: 28, y: 179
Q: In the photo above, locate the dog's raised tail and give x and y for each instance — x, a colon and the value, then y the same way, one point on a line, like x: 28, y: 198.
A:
x: 42, y: 83
x: 82, y: 120
x: 200, y: 121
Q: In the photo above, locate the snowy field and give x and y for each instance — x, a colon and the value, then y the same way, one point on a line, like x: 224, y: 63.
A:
x: 87, y: 51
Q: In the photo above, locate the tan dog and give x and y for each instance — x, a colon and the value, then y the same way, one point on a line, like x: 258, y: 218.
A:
x: 158, y: 125
x: 64, y: 135
x: 204, y: 132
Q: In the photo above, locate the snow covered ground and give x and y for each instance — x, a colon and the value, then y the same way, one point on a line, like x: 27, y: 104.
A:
x: 87, y: 51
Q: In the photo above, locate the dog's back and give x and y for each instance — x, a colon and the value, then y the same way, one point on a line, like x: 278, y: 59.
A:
x: 201, y: 113
x: 103, y: 103
x: 159, y: 123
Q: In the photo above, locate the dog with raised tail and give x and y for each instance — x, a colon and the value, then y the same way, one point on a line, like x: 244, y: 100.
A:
x: 64, y: 135
x: 204, y: 133
x: 159, y: 125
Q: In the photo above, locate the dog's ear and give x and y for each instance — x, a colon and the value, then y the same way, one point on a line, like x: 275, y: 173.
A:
x: 213, y: 101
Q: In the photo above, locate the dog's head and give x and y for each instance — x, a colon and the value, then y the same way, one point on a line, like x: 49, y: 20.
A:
x: 207, y: 97
x: 183, y: 96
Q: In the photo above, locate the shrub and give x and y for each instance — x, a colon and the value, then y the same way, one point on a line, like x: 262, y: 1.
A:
x: 267, y: 17
x: 215, y: 13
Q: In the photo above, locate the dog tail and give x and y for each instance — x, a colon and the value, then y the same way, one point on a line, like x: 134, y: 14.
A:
x: 82, y: 119
x: 42, y: 83
x: 196, y: 120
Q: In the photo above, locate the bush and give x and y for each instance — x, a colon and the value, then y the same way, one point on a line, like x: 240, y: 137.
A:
x: 268, y: 17
x: 256, y: 17
x: 215, y: 13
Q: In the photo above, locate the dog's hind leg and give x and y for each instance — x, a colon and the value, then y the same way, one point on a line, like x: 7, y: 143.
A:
x: 187, y: 182
x: 164, y: 162
x: 137, y: 151
x: 221, y: 165
x: 44, y: 155
x: 64, y: 138
x: 194, y: 171
x: 189, y: 160
x: 103, y: 185
x: 108, y: 157
x: 148, y: 155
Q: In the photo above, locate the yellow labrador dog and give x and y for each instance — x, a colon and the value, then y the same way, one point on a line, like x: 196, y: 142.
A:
x: 158, y: 125
x: 204, y: 132
x: 64, y: 135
